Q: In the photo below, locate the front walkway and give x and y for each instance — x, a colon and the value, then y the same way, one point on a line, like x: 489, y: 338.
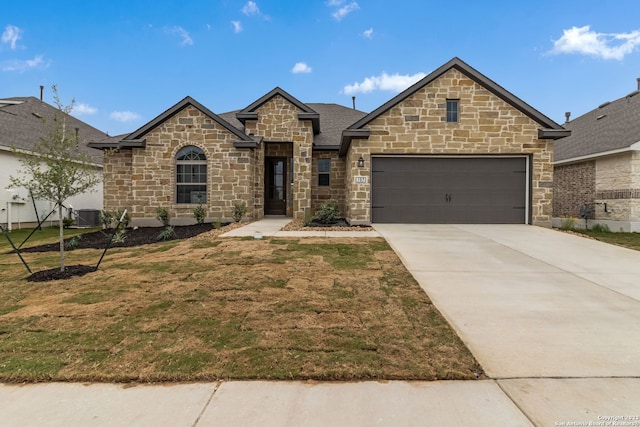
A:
x: 271, y: 227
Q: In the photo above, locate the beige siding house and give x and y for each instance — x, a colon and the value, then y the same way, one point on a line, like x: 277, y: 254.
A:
x: 453, y: 148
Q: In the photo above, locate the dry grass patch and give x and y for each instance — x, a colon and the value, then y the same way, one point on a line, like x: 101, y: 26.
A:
x: 206, y: 309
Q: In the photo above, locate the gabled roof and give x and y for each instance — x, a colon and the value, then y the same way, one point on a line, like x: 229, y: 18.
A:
x: 21, y: 125
x: 610, y: 128
x: 250, y: 112
x: 358, y: 129
x: 136, y: 138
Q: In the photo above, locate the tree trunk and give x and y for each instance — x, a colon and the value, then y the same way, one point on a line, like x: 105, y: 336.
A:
x: 61, y: 225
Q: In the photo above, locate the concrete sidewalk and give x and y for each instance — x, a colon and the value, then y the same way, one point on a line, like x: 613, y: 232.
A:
x: 271, y: 227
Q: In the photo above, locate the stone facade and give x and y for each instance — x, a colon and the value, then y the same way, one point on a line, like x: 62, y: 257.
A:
x: 487, y: 125
x: 143, y: 179
x: 278, y: 122
x: 574, y: 186
x: 336, y: 188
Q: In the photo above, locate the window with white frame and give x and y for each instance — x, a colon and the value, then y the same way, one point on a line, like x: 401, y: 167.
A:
x: 191, y: 175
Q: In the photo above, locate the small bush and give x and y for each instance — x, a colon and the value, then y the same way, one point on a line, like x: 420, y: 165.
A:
x: 217, y: 224
x: 67, y: 222
x: 120, y: 236
x: 568, y: 223
x: 73, y: 242
x: 239, y: 210
x: 167, y: 234
x: 163, y: 215
x: 199, y: 213
x: 328, y: 212
x: 125, y: 220
x: 106, y: 219
x: 601, y: 228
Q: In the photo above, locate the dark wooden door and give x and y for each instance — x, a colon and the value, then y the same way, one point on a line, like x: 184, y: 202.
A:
x: 275, y: 188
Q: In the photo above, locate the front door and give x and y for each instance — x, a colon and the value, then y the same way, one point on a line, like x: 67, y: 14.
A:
x: 275, y: 189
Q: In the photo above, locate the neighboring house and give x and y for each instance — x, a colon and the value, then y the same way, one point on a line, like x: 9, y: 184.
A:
x: 597, y: 168
x: 453, y: 148
x: 21, y: 126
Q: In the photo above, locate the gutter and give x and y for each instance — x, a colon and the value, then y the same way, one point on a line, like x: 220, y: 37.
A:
x: 633, y: 147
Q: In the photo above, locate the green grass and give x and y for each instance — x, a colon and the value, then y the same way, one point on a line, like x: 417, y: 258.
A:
x: 628, y: 240
x: 199, y: 310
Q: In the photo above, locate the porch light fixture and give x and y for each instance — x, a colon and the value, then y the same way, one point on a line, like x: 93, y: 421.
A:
x: 361, y: 162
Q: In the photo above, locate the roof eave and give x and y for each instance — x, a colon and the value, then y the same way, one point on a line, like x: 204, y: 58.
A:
x: 122, y: 144
x: 348, y: 135
x: 545, y: 133
x: 315, y: 120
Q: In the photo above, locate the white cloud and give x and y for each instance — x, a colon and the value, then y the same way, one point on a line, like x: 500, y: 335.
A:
x: 300, y: 67
x: 343, y: 11
x: 393, y: 83
x: 11, y: 35
x: 251, y: 8
x: 24, y: 65
x: 186, y: 39
x: 368, y: 33
x: 124, y: 116
x: 582, y: 40
x: 237, y: 26
x: 332, y: 3
x: 83, y: 109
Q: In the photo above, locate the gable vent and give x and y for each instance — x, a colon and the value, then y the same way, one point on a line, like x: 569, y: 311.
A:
x: 601, y: 117
x: 634, y: 93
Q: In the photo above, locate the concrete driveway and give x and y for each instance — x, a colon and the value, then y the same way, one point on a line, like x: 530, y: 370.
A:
x: 536, y: 303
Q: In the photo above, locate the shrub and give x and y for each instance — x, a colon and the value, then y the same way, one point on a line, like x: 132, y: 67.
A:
x: 126, y: 219
x: 163, y: 215
x: 120, y: 236
x: 199, y: 213
x: 167, y: 234
x: 328, y: 212
x: 67, y: 222
x: 601, y: 228
x: 106, y: 219
x: 73, y: 242
x: 239, y: 209
x: 217, y: 224
x: 568, y: 223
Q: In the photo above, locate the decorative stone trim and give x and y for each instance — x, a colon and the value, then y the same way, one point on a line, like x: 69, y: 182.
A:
x: 631, y: 193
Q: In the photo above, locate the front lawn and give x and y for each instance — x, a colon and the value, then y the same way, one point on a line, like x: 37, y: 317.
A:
x: 211, y: 308
x: 628, y: 240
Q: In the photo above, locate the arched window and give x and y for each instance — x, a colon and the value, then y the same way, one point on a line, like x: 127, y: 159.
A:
x: 191, y: 176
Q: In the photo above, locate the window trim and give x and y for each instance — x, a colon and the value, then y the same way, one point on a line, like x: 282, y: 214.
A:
x: 449, y: 114
x: 190, y: 162
x: 326, y: 173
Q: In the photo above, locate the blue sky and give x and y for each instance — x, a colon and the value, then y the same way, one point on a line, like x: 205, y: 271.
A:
x: 126, y: 61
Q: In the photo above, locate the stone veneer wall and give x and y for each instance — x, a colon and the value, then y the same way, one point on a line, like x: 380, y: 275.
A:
x: 617, y: 184
x: 487, y: 125
x: 151, y: 171
x: 278, y: 122
x: 336, y: 188
x: 574, y: 186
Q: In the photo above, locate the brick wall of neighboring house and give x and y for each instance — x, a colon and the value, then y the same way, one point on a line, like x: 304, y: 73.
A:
x: 278, y: 122
x: 230, y: 171
x: 488, y: 125
x: 574, y: 186
x: 336, y: 188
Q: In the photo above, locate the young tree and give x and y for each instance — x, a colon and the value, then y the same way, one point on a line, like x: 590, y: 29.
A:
x: 56, y: 169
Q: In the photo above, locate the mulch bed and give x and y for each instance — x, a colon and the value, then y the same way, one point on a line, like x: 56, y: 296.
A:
x: 55, y: 273
x: 134, y: 237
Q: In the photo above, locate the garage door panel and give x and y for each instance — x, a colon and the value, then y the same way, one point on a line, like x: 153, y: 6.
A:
x: 448, y: 190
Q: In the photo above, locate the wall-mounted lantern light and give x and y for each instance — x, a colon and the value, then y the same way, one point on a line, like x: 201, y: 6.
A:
x: 361, y: 162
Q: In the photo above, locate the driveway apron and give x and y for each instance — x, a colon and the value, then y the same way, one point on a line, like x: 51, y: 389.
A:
x: 529, y: 301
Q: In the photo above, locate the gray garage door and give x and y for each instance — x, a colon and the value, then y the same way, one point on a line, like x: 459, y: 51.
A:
x: 430, y: 190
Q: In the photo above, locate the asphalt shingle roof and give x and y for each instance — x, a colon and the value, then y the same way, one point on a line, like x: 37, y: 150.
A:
x: 611, y: 126
x: 334, y: 119
x: 21, y: 125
